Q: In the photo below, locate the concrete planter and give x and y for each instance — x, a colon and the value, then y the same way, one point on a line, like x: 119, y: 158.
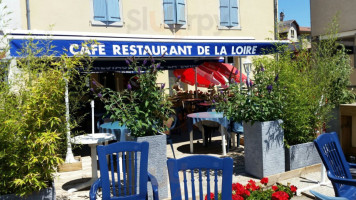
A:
x: 264, y: 148
x: 301, y: 155
x: 157, y: 162
x: 45, y: 194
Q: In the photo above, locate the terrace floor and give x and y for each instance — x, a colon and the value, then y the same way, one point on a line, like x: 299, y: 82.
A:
x: 302, y: 178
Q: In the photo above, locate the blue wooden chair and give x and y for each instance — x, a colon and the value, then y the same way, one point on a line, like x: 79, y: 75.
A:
x: 124, y: 178
x: 319, y: 196
x: 338, y: 169
x: 197, y: 166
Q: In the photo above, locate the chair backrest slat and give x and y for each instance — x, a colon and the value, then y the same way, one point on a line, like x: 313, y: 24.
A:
x: 192, y: 183
x: 199, y: 165
x: 216, y: 191
x: 128, y: 179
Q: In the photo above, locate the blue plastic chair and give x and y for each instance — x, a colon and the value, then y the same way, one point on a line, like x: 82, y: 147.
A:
x: 199, y: 165
x: 128, y: 177
x: 319, y: 196
x: 338, y: 169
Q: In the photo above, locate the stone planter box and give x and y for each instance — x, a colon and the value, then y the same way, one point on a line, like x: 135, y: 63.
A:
x: 264, y: 148
x: 157, y: 162
x: 301, y: 155
x: 45, y: 194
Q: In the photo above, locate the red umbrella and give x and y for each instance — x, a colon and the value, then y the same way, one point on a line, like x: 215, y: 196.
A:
x: 188, y: 76
x: 210, y: 73
x: 224, y: 69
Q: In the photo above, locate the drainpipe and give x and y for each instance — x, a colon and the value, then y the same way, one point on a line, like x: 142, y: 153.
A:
x: 28, y: 14
x: 275, y: 8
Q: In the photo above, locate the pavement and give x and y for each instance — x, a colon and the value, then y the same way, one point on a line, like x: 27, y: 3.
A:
x: 304, y: 178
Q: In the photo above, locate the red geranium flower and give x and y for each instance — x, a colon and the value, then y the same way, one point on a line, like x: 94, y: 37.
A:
x: 264, y: 180
x: 211, y: 196
x: 238, y: 188
x: 237, y: 197
x: 274, y: 188
x: 293, y: 188
x: 247, y: 193
x: 280, y: 195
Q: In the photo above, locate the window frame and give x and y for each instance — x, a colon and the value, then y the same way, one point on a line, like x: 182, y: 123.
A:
x: 170, y: 26
x: 94, y: 22
x: 238, y: 27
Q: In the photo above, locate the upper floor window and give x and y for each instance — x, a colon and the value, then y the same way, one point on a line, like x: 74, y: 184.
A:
x: 229, y: 13
x: 174, y: 12
x: 292, y: 33
x: 107, y: 12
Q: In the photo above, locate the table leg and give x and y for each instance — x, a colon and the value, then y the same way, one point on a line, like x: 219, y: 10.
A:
x: 94, y: 171
x: 223, y: 142
x: 233, y: 139
x: 203, y: 135
x: 191, y: 140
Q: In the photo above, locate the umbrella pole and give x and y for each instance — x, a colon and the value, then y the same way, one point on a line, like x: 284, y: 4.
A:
x: 69, y: 155
x: 196, y: 83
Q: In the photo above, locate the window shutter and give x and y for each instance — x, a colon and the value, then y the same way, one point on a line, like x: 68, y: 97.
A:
x: 180, y: 12
x: 234, y: 17
x: 113, y: 10
x: 224, y: 13
x: 100, y: 10
x: 169, y: 11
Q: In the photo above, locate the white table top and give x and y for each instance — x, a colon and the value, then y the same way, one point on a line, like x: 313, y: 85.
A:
x: 95, y: 138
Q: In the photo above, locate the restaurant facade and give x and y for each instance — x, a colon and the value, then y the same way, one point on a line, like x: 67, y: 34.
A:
x: 187, y: 32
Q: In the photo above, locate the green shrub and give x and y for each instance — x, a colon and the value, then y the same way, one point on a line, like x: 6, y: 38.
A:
x: 32, y: 119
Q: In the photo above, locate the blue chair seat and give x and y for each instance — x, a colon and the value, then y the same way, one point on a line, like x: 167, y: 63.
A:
x: 319, y: 196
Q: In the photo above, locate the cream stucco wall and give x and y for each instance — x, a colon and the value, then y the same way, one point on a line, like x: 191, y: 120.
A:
x: 146, y: 17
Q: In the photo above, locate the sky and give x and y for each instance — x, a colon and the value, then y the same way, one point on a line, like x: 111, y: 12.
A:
x: 298, y: 10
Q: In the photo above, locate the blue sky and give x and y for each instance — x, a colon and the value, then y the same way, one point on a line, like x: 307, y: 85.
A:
x: 298, y: 10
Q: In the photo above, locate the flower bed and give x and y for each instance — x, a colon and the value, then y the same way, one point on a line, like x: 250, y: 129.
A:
x: 261, y: 191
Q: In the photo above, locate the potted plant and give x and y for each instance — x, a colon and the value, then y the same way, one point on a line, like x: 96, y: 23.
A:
x: 260, y: 108
x: 315, y: 82
x: 143, y: 107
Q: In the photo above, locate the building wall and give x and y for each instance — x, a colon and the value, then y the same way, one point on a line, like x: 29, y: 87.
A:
x: 294, y: 29
x: 10, y: 17
x: 146, y: 17
x: 323, y: 11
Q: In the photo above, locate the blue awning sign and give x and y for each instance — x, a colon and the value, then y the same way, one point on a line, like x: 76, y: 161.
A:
x: 102, y: 48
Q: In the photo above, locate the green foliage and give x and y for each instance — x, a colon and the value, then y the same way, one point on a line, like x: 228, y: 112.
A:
x: 262, y: 101
x: 143, y: 106
x: 310, y: 84
x: 32, y: 119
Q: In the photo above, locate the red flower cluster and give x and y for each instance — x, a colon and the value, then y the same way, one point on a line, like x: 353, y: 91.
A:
x: 280, y: 195
x: 251, y: 191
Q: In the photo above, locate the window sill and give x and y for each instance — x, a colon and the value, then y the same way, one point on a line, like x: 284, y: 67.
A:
x: 229, y: 28
x: 100, y: 23
x: 175, y: 26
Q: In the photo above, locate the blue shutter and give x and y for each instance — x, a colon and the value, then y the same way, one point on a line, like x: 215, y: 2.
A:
x: 234, y: 17
x: 224, y: 13
x: 100, y: 10
x: 180, y: 12
x: 113, y: 10
x: 169, y: 12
